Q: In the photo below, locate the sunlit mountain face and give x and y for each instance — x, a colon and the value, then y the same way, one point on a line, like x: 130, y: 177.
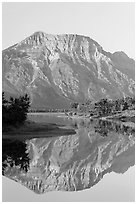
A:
x: 56, y: 70
x: 73, y: 162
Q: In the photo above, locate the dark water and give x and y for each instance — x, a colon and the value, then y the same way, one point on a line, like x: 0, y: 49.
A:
x: 73, y: 162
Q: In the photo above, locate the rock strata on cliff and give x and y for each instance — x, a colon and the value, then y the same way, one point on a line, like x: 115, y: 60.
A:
x: 58, y: 69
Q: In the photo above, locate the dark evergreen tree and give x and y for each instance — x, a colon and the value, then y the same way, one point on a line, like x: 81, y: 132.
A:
x: 15, y: 110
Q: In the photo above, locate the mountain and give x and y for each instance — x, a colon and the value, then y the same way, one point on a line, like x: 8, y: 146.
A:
x: 56, y: 70
x: 72, y: 162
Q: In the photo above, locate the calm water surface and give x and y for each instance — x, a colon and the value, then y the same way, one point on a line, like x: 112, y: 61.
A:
x: 59, y: 119
x: 99, y: 158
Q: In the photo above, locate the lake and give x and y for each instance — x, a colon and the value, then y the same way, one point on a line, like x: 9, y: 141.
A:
x: 95, y: 164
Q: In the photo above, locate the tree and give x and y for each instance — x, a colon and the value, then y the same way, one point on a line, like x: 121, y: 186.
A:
x: 15, y: 110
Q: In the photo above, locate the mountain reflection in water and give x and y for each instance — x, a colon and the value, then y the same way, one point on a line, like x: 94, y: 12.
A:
x: 73, y: 162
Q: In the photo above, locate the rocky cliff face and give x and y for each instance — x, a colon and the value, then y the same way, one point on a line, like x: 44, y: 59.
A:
x: 58, y: 69
x: 70, y: 163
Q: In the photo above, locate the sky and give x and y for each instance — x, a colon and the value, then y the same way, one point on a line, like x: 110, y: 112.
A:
x: 112, y: 25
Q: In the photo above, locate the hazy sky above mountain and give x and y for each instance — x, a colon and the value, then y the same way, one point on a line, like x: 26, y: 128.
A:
x: 112, y: 25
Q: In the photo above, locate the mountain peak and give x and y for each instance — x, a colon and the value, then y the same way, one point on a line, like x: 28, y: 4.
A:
x: 40, y: 38
x: 36, y: 38
x: 120, y: 53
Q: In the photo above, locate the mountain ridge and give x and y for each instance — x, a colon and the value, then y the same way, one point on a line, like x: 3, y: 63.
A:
x: 71, y: 67
x: 43, y: 33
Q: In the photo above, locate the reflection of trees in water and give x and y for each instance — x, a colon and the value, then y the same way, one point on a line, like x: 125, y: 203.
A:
x: 104, y: 127
x: 84, y: 123
x: 14, y: 154
x: 70, y: 158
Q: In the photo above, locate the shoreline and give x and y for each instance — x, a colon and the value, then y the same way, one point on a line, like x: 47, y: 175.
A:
x: 37, y: 130
x: 44, y: 130
x: 117, y: 116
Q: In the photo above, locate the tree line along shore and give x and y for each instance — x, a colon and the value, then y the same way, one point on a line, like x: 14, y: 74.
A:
x: 15, y: 110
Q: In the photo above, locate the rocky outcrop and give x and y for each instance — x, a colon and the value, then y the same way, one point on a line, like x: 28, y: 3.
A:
x: 73, y: 162
x: 65, y: 68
